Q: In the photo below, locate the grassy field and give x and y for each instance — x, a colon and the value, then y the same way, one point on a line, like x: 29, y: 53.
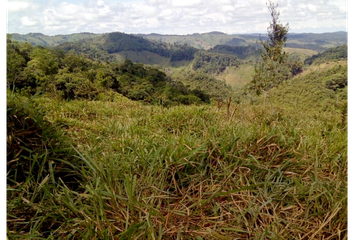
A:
x: 125, y: 170
x: 307, y: 52
x: 237, y: 76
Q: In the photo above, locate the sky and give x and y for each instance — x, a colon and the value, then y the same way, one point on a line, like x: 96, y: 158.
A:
x: 53, y: 17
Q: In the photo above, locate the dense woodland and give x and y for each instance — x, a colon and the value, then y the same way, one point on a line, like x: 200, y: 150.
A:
x: 38, y: 70
x: 213, y: 62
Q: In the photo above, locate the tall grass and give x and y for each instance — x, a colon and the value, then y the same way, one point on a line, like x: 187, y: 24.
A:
x: 185, y: 172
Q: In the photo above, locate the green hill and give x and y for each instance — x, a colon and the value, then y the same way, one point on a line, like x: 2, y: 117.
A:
x: 332, y: 54
x: 318, y: 89
x: 72, y: 75
x: 317, y: 42
x: 129, y: 46
x: 241, y: 52
x: 115, y: 168
x: 39, y: 39
x: 101, y: 147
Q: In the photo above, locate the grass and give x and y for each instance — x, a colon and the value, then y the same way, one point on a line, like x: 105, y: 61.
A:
x: 303, y: 51
x: 238, y: 77
x: 185, y: 172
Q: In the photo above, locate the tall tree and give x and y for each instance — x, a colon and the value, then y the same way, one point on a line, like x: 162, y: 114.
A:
x: 15, y: 63
x: 274, y: 66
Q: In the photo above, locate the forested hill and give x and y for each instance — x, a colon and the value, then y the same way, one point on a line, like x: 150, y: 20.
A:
x: 332, y: 54
x: 120, y: 46
x: 39, y: 39
x: 314, y: 41
x: 174, y: 50
x: 42, y: 70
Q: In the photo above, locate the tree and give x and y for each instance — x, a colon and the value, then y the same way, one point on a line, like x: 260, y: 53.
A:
x: 15, y: 64
x: 274, y: 67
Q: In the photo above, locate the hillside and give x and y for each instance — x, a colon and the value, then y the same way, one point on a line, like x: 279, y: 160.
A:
x: 317, y: 42
x: 71, y: 75
x: 333, y: 54
x: 39, y: 39
x: 120, y: 46
x: 116, y: 168
x: 103, y: 147
x: 320, y: 88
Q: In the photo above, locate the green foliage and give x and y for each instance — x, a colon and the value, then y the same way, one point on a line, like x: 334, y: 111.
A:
x: 275, y: 67
x: 16, y: 62
x: 150, y: 172
x: 317, y: 42
x: 200, y: 81
x: 212, y: 62
x: 320, y: 90
x: 115, y: 168
x: 70, y: 76
x: 117, y: 42
x: 241, y: 52
x: 332, y: 54
x: 39, y: 39
x: 105, y: 47
x: 40, y: 165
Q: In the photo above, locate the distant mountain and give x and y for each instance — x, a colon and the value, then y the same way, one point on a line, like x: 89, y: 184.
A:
x: 39, y: 39
x: 119, y: 46
x: 314, y: 41
x: 198, y: 40
x: 179, y: 50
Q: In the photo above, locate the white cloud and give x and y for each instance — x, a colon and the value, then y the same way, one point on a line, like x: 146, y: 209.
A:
x: 170, y: 16
x: 186, y: 3
x: 17, y: 6
x: 27, y: 22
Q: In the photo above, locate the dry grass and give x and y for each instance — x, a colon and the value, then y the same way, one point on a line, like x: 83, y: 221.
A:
x: 191, y: 173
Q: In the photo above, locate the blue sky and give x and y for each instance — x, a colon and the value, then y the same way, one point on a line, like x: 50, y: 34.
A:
x: 54, y: 17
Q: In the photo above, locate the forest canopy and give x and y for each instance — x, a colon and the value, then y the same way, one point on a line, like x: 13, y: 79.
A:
x: 39, y: 70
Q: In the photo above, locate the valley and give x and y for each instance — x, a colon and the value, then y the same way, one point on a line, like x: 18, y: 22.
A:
x: 149, y: 136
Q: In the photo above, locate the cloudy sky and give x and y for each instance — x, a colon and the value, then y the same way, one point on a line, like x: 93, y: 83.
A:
x: 54, y: 17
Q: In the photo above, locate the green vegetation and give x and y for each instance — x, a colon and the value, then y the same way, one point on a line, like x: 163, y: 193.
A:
x: 212, y: 62
x: 103, y: 147
x: 238, y: 77
x: 192, y: 172
x: 206, y: 41
x: 202, y: 81
x: 120, y: 43
x: 240, y: 52
x: 38, y: 70
x: 333, y: 54
x: 275, y: 66
x: 39, y: 39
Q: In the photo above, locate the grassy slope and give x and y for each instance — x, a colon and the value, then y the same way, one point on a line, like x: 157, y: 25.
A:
x: 237, y: 77
x: 196, y: 172
x: 304, y: 51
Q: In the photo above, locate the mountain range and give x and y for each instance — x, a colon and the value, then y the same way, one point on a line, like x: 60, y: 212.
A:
x: 314, y: 41
x: 227, y: 57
